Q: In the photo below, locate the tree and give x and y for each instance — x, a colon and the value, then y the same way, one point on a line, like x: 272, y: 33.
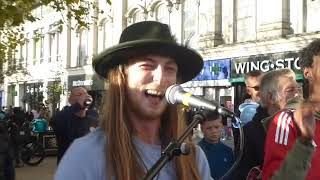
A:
x: 54, y: 92
x: 14, y: 13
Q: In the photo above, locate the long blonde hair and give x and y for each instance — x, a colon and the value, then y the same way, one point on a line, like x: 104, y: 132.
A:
x: 121, y: 154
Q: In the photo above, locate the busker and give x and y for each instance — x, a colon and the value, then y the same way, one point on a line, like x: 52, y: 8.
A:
x: 137, y: 123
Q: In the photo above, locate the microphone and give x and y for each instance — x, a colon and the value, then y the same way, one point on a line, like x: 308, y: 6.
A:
x: 87, y: 102
x: 176, y: 95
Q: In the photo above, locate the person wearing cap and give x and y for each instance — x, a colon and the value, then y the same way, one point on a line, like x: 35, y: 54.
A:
x: 73, y: 121
x: 137, y: 123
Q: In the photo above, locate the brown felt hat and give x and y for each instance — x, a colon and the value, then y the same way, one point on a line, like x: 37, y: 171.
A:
x: 149, y: 37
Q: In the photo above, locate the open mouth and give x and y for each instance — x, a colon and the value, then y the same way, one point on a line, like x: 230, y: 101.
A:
x: 154, y: 94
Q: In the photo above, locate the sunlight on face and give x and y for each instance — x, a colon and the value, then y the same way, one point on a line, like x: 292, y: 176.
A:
x: 148, y: 77
x: 288, y: 90
x: 253, y: 85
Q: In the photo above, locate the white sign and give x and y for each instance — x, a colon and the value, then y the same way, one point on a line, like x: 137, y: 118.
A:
x: 266, y: 65
x: 88, y: 82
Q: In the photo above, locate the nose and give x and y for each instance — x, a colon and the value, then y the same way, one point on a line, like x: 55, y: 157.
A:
x: 158, y: 74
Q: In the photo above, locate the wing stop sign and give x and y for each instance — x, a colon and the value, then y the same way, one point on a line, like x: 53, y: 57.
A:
x: 265, y: 63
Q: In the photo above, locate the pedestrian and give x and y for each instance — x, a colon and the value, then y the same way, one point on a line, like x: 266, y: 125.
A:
x: 277, y: 88
x: 7, y: 171
x: 290, y: 148
x: 248, y: 107
x: 219, y: 155
x: 73, y: 121
x: 136, y: 121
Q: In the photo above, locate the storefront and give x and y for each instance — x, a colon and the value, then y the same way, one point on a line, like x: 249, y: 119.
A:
x: 263, y: 62
x: 33, y: 94
x: 94, y: 85
x: 213, y: 83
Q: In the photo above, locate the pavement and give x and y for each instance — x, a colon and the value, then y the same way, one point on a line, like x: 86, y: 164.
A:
x: 44, y: 171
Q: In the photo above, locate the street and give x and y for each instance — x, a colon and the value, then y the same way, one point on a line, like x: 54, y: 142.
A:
x: 44, y: 171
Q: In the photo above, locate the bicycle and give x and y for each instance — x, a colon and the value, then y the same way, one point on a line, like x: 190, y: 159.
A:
x: 30, y: 150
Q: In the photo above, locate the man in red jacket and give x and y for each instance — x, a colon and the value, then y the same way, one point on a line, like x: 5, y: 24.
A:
x: 290, y: 149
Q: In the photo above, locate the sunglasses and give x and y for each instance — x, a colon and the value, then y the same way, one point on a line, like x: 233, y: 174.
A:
x: 256, y: 88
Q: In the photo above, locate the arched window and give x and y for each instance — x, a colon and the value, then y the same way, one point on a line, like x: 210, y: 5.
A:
x: 162, y: 13
x: 138, y: 16
x: 106, y: 29
x: 190, y: 22
x: 54, y: 42
x: 82, y: 47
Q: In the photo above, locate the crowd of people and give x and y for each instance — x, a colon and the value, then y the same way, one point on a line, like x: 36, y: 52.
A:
x: 134, y: 125
x: 14, y: 123
x: 280, y: 123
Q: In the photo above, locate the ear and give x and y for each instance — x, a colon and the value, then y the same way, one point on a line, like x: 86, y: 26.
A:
x: 307, y: 73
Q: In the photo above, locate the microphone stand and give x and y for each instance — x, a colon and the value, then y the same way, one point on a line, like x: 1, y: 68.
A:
x: 173, y: 149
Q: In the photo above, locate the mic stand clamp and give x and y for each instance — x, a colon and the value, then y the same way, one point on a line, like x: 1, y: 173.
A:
x: 173, y: 149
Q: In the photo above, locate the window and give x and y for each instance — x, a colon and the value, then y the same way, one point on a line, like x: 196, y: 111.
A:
x: 190, y: 22
x: 206, y: 16
x: 107, y: 34
x: 246, y: 20
x: 41, y: 48
x: 12, y: 60
x: 38, y: 46
x: 138, y: 16
x: 35, y: 45
x: 54, y: 37
x: 26, y: 46
x: 162, y: 14
x: 83, y: 47
x: 313, y: 14
x: 21, y: 54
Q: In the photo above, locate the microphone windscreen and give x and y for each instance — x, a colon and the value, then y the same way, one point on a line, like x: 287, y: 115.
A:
x: 171, y: 93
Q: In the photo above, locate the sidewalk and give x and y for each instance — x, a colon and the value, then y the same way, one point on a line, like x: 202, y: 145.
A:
x: 44, y: 171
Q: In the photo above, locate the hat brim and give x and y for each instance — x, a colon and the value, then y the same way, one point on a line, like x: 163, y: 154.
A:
x: 189, y: 62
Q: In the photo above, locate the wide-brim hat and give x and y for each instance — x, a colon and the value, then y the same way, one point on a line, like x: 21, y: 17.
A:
x: 149, y: 37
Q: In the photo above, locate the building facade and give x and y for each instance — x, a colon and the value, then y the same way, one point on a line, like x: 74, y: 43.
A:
x: 233, y: 36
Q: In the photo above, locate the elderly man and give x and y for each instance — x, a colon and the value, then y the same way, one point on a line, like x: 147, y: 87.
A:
x: 290, y: 151
x: 276, y: 89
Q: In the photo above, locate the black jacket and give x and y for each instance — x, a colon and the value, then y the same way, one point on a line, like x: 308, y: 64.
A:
x: 253, y: 150
x: 7, y: 170
x: 68, y: 127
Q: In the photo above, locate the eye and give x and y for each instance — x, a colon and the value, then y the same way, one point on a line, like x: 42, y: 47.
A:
x: 147, y: 66
x: 171, y: 69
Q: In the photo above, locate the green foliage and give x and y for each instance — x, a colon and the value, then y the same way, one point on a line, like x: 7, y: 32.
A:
x: 14, y: 13
x: 54, y: 91
x: 33, y: 98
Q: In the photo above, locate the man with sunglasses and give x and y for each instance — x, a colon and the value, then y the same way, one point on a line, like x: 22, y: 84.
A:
x: 248, y: 108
